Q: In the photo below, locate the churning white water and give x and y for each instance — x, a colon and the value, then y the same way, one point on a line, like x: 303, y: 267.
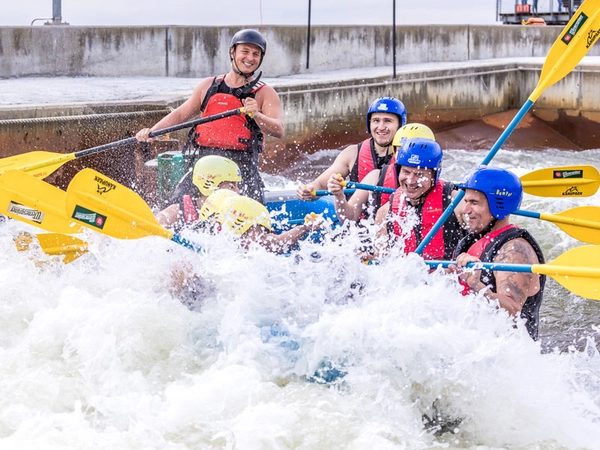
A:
x: 308, y: 351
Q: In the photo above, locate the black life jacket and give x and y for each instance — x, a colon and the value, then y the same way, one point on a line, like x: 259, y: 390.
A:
x: 531, y: 307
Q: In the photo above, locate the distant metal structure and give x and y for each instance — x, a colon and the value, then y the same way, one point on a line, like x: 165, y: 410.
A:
x: 56, y: 18
x: 553, y: 12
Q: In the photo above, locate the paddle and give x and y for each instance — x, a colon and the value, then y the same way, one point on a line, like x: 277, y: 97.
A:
x: 581, y: 223
x: 572, y: 44
x: 578, y: 270
x: 566, y: 181
x: 582, y: 181
x: 54, y: 244
x: 35, y: 202
x: 40, y: 164
x: 102, y: 204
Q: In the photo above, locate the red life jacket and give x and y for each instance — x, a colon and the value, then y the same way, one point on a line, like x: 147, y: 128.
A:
x: 487, y: 248
x: 233, y: 132
x: 365, y: 159
x: 190, y: 213
x: 431, y: 210
x: 478, y: 247
x: 390, y: 180
x: 477, y: 250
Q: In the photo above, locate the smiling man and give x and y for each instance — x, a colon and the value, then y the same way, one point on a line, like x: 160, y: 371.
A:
x: 384, y: 117
x: 417, y: 204
x: 491, y: 195
x: 239, y: 138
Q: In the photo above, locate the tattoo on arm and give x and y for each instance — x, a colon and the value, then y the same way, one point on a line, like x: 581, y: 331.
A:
x: 517, y: 251
x: 516, y: 285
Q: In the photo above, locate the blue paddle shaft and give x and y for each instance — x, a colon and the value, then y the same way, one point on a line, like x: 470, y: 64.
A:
x: 182, y: 241
x: 533, y: 215
x: 368, y: 187
x: 440, y: 222
x: 483, y: 265
x: 352, y: 187
x: 461, y: 193
x: 322, y: 192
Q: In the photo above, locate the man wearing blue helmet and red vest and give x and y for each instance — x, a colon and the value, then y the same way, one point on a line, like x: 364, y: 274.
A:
x: 384, y: 117
x: 239, y: 138
x: 491, y: 195
x: 418, y: 203
x: 364, y: 204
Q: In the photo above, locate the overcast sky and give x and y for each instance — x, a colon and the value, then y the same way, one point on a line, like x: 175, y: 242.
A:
x: 249, y: 12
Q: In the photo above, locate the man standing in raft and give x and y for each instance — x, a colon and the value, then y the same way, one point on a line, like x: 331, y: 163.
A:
x: 239, y: 138
x: 491, y: 194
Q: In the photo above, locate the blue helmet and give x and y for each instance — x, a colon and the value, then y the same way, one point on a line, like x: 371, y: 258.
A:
x: 420, y: 152
x: 388, y: 105
x: 503, y: 189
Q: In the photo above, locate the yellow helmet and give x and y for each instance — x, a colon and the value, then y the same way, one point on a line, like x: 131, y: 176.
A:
x: 213, y: 204
x: 210, y: 171
x: 240, y: 213
x: 410, y: 131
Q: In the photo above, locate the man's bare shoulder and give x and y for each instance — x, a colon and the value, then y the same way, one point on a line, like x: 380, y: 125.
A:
x: 266, y: 92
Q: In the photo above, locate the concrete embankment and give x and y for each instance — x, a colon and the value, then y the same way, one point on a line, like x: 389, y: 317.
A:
x: 446, y: 76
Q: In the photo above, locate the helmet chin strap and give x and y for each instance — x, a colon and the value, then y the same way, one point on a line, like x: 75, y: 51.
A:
x: 239, y: 72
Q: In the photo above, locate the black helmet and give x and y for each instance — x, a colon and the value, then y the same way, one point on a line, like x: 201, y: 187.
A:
x: 249, y: 37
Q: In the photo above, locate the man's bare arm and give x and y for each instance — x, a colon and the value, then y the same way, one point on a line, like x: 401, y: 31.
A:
x: 513, y: 288
x: 342, y: 164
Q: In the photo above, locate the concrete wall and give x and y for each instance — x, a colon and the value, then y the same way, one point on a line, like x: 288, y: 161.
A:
x: 446, y: 75
x: 202, y: 51
x: 326, y: 114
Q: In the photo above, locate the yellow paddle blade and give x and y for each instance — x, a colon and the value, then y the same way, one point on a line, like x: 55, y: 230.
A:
x: 574, y: 42
x: 108, y: 207
x: 567, y: 181
x: 582, y: 223
x: 35, y: 202
x: 52, y: 244
x: 578, y: 270
x: 38, y: 164
x: 62, y: 244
